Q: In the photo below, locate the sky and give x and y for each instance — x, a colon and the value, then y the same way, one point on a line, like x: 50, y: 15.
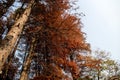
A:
x: 101, y: 23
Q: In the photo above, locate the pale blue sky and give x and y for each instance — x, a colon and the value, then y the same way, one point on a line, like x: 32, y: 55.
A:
x: 102, y: 24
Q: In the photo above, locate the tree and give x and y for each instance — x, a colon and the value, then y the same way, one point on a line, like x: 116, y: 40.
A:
x: 111, y: 67
x: 9, y: 42
x: 58, y: 40
x: 107, y: 66
x: 24, y: 74
x: 98, y: 58
x: 89, y: 66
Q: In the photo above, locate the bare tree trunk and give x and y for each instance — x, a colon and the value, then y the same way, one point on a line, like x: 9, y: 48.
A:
x: 11, y: 38
x: 26, y: 65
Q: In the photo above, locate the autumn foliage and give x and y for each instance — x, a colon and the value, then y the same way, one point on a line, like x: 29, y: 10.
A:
x: 43, y: 40
x: 58, y: 35
x: 59, y: 42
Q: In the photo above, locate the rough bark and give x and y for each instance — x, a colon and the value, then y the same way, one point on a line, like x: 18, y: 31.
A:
x: 26, y: 65
x: 11, y: 38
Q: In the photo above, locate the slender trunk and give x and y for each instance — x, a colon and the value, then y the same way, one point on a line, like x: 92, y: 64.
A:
x: 98, y: 74
x: 6, y: 74
x: 11, y: 38
x: 26, y: 65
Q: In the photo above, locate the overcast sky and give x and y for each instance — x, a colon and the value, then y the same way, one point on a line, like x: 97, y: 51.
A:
x: 102, y: 24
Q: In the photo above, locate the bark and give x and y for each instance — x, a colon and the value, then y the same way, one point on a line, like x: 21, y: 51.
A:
x: 11, y: 38
x: 9, y: 61
x: 26, y: 65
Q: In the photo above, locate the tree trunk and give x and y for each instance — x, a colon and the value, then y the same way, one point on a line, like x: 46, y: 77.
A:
x: 6, y: 68
x: 98, y: 74
x: 26, y: 65
x: 11, y: 38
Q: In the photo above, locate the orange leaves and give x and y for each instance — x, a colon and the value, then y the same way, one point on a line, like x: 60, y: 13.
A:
x: 92, y: 63
x: 74, y: 69
x: 57, y: 60
x: 59, y: 37
x: 72, y: 64
x: 62, y: 28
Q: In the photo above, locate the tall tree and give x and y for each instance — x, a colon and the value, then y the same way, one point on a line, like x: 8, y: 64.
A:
x: 58, y: 37
x: 58, y: 41
x: 7, y: 45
